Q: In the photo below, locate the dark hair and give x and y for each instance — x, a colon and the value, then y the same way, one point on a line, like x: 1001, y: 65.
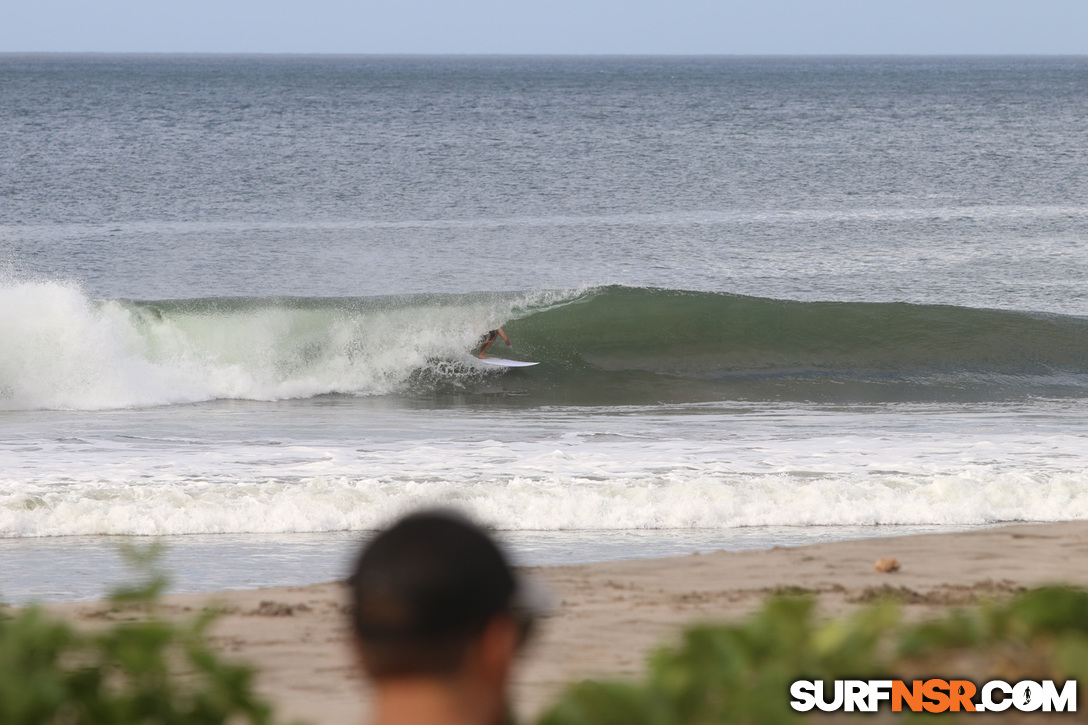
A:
x: 423, y: 589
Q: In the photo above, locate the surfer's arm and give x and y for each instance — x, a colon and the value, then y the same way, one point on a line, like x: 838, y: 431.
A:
x: 504, y: 337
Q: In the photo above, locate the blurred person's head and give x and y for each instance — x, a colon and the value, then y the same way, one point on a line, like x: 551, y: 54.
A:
x: 438, y: 618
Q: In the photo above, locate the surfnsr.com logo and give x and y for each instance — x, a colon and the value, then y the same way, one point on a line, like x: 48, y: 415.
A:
x: 934, y: 695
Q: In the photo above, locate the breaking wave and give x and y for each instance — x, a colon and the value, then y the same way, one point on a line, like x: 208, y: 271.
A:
x: 611, y: 345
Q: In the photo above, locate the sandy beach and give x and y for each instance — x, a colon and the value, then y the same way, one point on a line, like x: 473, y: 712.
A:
x: 607, y: 616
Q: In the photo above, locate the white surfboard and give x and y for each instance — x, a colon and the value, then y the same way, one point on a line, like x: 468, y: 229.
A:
x: 504, y: 363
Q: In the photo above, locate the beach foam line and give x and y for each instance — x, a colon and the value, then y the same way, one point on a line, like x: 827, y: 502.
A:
x: 972, y: 495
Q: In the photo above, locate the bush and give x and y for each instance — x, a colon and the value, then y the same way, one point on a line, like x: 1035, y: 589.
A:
x: 144, y: 669
x: 742, y: 673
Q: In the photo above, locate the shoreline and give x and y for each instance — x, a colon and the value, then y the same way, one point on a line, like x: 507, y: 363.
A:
x: 609, y: 615
x: 55, y: 570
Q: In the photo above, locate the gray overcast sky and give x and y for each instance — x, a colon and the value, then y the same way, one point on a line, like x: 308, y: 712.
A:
x: 548, y: 26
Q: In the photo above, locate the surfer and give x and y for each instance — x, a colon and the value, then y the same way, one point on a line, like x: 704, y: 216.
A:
x: 489, y: 339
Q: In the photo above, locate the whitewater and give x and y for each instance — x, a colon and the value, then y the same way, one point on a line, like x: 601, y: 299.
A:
x: 774, y: 301
x: 66, y: 351
x: 572, y: 469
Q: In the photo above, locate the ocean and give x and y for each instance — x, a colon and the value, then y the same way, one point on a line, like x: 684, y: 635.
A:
x: 775, y: 301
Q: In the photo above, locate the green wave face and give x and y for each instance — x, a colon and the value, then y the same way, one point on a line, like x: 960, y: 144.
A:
x: 704, y: 333
x: 721, y: 346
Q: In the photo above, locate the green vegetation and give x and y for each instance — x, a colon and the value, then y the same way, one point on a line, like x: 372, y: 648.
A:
x: 742, y: 673
x: 141, y: 669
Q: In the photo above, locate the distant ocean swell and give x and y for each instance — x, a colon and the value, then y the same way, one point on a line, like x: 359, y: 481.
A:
x: 611, y: 345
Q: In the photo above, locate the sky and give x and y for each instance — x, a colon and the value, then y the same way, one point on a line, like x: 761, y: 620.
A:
x: 561, y: 27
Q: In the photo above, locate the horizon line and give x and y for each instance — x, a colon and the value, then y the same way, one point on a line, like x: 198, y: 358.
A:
x: 529, y: 55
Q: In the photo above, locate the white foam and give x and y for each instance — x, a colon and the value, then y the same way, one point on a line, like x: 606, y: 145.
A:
x: 565, y: 483
x: 64, y: 351
x: 322, y: 503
